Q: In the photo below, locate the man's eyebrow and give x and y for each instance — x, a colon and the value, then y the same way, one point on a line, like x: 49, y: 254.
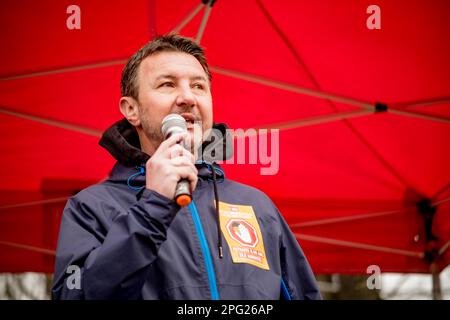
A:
x: 172, y: 77
x: 198, y: 78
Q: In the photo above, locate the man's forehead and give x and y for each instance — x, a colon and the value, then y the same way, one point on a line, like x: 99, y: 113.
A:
x: 172, y: 65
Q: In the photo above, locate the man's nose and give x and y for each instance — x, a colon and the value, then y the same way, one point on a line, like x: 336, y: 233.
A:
x: 185, y: 97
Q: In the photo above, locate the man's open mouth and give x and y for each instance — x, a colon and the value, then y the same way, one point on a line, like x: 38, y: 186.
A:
x: 190, y: 119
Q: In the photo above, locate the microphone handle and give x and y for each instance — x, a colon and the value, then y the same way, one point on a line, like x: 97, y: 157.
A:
x: 183, y: 193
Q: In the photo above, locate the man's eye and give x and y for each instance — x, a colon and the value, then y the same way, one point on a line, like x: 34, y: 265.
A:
x: 166, y: 84
x: 198, y: 86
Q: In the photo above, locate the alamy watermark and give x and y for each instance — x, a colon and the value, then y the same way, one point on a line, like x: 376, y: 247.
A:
x: 374, y: 20
x: 374, y: 280
x: 73, y: 281
x: 239, y: 146
x: 73, y: 21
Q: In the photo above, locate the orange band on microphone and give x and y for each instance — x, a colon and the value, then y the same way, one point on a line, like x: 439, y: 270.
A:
x: 184, y: 200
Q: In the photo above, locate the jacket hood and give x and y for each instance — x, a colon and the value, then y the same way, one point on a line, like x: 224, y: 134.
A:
x: 121, y: 140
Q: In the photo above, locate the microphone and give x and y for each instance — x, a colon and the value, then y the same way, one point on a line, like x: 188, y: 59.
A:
x: 172, y: 124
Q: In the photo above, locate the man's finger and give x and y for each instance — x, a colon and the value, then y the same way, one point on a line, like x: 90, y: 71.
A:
x: 179, y: 151
x: 183, y: 161
x: 166, y: 144
x: 187, y: 173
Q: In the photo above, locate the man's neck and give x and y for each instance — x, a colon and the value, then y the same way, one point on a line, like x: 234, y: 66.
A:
x: 147, y: 146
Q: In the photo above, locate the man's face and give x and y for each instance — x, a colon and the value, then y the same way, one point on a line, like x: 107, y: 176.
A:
x: 173, y: 82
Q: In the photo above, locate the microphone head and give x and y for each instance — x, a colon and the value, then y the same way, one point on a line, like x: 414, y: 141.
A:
x: 173, y: 123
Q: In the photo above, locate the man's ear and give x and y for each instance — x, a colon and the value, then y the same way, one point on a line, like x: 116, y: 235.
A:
x: 130, y: 110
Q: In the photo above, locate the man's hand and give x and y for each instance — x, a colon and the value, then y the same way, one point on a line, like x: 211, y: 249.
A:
x: 169, y: 164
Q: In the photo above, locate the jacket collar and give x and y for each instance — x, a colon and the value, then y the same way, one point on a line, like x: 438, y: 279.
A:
x: 122, y: 173
x: 121, y: 140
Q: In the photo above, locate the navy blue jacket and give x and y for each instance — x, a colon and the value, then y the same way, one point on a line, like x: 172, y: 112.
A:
x: 137, y: 244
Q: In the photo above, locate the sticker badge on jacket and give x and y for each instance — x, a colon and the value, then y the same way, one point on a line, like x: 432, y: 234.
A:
x: 243, y: 235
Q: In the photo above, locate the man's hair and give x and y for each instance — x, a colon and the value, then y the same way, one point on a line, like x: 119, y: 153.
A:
x: 165, y: 43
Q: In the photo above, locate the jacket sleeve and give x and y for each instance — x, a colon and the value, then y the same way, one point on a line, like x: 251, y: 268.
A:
x: 296, y: 272
x: 111, y: 256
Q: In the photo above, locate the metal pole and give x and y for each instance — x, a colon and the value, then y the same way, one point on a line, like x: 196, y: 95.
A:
x: 437, y: 292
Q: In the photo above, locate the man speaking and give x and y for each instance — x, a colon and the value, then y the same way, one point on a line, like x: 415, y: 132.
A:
x: 168, y: 224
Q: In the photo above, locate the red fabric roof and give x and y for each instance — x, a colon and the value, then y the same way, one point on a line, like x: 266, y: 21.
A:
x: 288, y: 65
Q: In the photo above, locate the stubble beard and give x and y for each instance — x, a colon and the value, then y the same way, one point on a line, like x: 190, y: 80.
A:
x: 151, y: 131
x: 154, y: 134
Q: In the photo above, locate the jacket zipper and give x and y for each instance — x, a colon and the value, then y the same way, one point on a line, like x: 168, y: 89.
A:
x: 285, y: 291
x: 205, y: 251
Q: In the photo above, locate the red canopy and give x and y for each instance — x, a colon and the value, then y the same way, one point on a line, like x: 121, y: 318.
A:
x: 364, y: 117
